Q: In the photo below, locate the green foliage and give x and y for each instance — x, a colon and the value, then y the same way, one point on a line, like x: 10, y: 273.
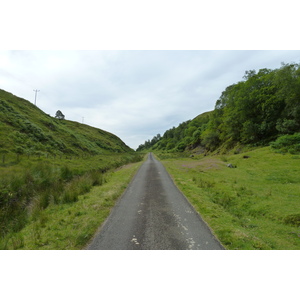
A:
x: 287, y: 143
x: 186, y: 135
x: 59, y: 115
x: 181, y: 146
x: 25, y: 129
x: 148, y: 144
x: 293, y: 219
x: 27, y: 188
x: 70, y: 225
x: 259, y: 109
x: 255, y: 111
x: 210, y: 139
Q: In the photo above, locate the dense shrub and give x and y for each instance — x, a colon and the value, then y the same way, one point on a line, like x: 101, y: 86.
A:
x: 287, y: 143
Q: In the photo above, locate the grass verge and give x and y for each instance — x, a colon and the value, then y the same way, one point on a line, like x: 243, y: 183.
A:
x: 72, y: 225
x: 254, y: 205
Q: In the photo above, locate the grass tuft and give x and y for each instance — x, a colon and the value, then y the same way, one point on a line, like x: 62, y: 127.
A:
x: 293, y: 219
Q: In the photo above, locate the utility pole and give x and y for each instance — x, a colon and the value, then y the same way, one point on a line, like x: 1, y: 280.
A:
x: 36, y: 91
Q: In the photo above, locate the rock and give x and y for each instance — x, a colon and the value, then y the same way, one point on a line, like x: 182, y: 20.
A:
x: 231, y: 166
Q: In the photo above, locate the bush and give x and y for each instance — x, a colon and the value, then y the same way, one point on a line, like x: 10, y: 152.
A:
x: 181, y: 146
x: 287, y: 126
x: 287, y: 143
x: 210, y: 139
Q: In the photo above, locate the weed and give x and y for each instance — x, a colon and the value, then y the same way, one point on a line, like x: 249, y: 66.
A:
x: 224, y: 158
x: 203, y: 183
x: 293, y: 219
x: 69, y: 195
x: 66, y: 173
x: 17, y: 241
x: 224, y: 200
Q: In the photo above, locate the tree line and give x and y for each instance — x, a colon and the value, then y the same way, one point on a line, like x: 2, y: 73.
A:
x: 256, y: 111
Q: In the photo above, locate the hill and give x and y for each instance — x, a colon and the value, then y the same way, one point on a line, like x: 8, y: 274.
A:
x: 48, y: 163
x: 25, y: 129
x: 256, y: 111
x: 185, y: 136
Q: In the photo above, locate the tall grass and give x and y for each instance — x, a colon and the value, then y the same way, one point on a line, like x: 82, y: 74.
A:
x: 27, y: 188
x: 71, y: 225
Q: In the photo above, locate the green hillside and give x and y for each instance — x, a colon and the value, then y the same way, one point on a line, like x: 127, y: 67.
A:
x: 47, y: 164
x: 25, y: 129
x: 263, y: 107
x: 185, y: 136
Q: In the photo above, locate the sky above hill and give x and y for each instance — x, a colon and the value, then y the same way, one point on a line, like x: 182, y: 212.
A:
x: 136, y: 94
x: 133, y: 94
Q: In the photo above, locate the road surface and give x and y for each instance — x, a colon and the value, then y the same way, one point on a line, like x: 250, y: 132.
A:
x: 153, y: 214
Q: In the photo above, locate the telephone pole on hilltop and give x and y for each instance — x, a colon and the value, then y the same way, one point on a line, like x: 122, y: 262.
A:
x: 36, y: 91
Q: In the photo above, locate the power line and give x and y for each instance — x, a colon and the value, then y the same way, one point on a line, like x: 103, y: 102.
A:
x: 36, y: 91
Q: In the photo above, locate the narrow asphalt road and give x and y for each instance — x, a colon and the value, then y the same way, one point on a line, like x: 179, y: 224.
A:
x: 153, y: 214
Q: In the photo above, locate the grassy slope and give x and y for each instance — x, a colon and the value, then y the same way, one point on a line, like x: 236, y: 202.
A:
x: 252, y: 206
x: 72, y: 225
x: 48, y: 164
x: 26, y: 129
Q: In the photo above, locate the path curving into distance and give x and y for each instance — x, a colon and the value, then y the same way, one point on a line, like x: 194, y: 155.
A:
x: 153, y: 214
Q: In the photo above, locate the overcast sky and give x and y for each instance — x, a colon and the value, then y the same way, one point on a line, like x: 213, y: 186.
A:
x: 132, y: 84
x: 133, y: 94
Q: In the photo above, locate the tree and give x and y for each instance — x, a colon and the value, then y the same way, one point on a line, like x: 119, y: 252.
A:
x: 253, y: 111
x: 59, y: 115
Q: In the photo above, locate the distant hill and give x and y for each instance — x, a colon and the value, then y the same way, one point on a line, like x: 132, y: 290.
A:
x: 186, y: 135
x: 25, y: 129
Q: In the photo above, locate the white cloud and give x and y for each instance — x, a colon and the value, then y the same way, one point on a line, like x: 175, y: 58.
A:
x: 133, y: 94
